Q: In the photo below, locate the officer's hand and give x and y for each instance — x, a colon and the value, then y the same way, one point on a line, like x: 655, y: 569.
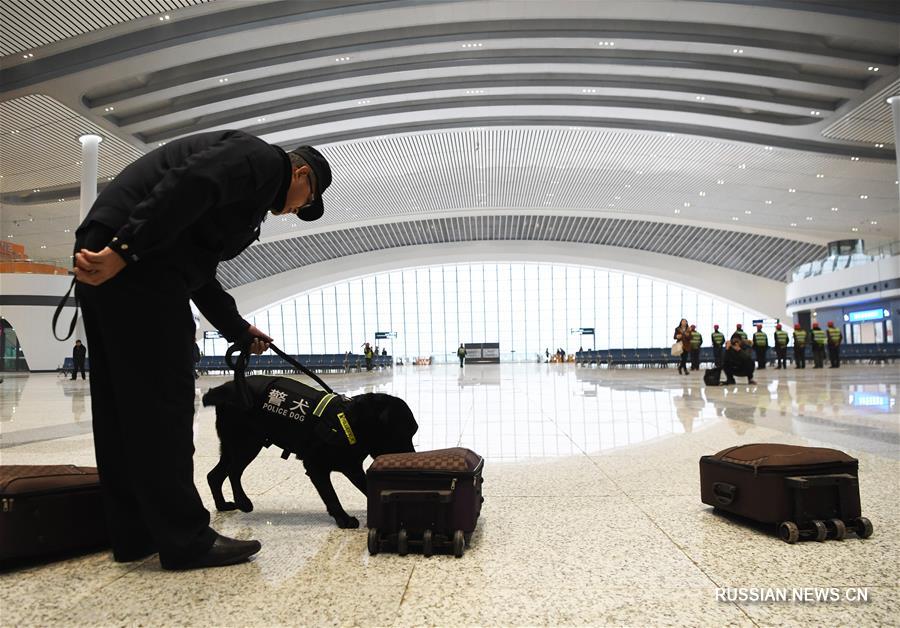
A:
x: 95, y: 268
x: 261, y: 341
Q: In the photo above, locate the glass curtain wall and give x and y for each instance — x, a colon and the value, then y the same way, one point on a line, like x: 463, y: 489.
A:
x: 526, y: 307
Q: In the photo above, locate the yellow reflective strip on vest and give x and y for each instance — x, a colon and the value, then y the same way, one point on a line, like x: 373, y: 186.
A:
x: 323, y: 402
x: 346, y: 425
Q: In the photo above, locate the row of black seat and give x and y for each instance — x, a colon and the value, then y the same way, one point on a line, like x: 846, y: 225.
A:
x: 273, y: 363
x: 882, y: 352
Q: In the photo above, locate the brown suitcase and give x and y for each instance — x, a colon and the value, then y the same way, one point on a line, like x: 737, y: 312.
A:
x: 809, y: 492
x: 48, y: 511
x: 429, y: 499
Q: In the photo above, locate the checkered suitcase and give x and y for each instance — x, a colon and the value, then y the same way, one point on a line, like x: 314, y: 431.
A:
x: 808, y: 492
x: 430, y: 500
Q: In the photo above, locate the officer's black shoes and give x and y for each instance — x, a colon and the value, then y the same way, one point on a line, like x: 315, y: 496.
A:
x: 224, y: 551
x: 751, y: 381
x: 730, y: 381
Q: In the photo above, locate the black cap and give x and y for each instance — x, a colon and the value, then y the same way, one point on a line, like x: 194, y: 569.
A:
x: 322, y: 173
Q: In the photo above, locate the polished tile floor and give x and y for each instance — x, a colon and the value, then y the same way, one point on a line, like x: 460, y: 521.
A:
x: 592, y: 512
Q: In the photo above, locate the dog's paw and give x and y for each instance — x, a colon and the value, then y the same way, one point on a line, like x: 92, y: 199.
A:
x: 225, y: 506
x: 245, y: 506
x: 348, y: 523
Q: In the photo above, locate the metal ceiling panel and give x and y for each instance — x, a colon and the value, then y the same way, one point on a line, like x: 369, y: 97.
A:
x: 868, y: 123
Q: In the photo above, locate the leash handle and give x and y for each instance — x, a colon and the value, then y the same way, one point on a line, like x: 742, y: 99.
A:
x: 59, y: 309
x: 239, y: 366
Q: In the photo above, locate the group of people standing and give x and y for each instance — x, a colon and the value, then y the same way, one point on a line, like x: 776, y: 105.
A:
x: 735, y: 357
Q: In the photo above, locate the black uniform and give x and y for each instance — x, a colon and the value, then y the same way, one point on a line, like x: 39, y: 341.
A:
x: 79, y: 357
x: 172, y: 215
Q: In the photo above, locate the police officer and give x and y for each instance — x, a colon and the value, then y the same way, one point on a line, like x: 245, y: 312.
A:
x: 781, y: 343
x: 79, y: 357
x: 369, y: 354
x: 718, y: 340
x: 696, y: 342
x: 800, y: 338
x: 819, y: 338
x: 739, y: 330
x: 760, y: 346
x: 834, y: 345
x: 149, y: 245
x: 461, y: 354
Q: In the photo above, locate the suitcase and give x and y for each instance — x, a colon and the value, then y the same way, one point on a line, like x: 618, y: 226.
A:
x: 429, y: 499
x: 50, y: 510
x: 809, y: 492
x: 712, y: 377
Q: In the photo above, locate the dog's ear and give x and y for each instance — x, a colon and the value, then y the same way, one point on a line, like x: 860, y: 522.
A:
x: 397, y: 418
x: 220, y: 395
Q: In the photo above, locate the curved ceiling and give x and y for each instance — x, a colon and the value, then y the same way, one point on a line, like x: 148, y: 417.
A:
x: 664, y: 118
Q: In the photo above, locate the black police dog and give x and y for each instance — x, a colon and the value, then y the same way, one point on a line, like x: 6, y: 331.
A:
x: 380, y: 424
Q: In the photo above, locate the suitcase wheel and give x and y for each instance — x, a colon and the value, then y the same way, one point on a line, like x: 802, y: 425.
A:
x: 427, y: 543
x: 821, y: 530
x: 863, y: 528
x: 788, y: 531
x: 402, y: 542
x: 459, y: 543
x: 374, y: 544
x: 840, y: 530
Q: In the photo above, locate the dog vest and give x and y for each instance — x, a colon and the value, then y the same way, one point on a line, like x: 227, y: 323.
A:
x: 304, y: 411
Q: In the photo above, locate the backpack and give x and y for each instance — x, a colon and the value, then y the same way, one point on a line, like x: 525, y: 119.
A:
x: 712, y: 377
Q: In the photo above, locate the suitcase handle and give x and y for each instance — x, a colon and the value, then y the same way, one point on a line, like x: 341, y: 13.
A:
x: 724, y: 493
x: 830, y: 479
x: 416, y: 496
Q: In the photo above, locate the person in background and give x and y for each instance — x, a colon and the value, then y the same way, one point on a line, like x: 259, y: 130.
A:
x: 834, y: 345
x: 800, y: 338
x: 683, y: 335
x: 739, y: 330
x: 738, y: 360
x: 461, y: 354
x: 368, y: 353
x: 79, y: 357
x: 781, y: 343
x: 696, y: 342
x: 760, y: 346
x: 819, y: 339
x: 383, y: 352
x: 718, y: 341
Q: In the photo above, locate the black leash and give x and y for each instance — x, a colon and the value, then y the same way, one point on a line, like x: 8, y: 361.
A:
x: 59, y: 309
x: 239, y: 366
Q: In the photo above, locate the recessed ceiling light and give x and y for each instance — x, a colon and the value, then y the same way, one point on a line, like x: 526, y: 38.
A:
x: 748, y: 212
x: 873, y: 222
x: 854, y: 159
x: 606, y: 44
x: 737, y: 51
x: 720, y: 182
x: 820, y: 176
x: 43, y: 246
x: 618, y: 198
x: 792, y: 190
x: 163, y: 18
x: 260, y: 119
x: 224, y: 79
x: 769, y: 148
x: 13, y: 132
x: 472, y: 45
x: 67, y: 230
x: 700, y: 97
x: 873, y: 68
x: 834, y: 209
x: 588, y: 90
x: 611, y: 205
x: 854, y: 229
x: 809, y: 218
x: 793, y: 224
x: 108, y: 109
x: 342, y: 59
x: 768, y: 202
x: 474, y: 91
x: 640, y: 172
x: 161, y: 144
x: 677, y: 211
x: 702, y: 193
x: 28, y: 55
x: 734, y: 218
x: 10, y: 235
x: 879, y: 145
x: 687, y: 204
x: 863, y: 196
x: 815, y: 112
x: 742, y: 167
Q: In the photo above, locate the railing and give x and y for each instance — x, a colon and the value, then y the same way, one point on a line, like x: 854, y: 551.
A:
x: 835, y: 263
x: 36, y: 267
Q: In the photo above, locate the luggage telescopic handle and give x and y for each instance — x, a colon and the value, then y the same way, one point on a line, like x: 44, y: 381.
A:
x: 724, y: 493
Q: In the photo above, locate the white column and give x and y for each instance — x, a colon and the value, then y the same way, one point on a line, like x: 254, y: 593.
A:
x: 894, y: 102
x: 89, y: 152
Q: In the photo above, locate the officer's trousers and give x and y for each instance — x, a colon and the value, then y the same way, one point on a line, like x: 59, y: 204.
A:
x: 819, y: 355
x: 800, y: 356
x: 781, y: 353
x: 78, y: 367
x: 717, y: 355
x: 834, y: 355
x: 139, y: 333
x: 695, y: 359
x: 761, y: 356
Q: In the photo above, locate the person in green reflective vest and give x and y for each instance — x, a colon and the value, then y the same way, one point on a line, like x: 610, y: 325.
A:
x: 834, y: 345
x: 718, y: 341
x: 781, y: 343
x: 760, y: 346
x: 819, y: 338
x: 739, y: 330
x: 800, y: 337
x: 461, y: 354
x: 696, y: 341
